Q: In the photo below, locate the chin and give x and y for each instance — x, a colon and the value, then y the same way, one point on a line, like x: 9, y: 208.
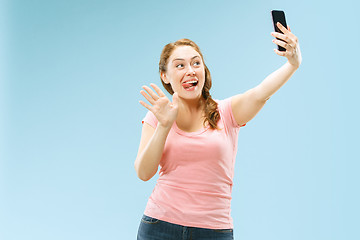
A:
x: 190, y: 95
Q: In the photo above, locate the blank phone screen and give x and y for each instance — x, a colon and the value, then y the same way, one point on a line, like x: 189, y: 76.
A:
x: 279, y: 16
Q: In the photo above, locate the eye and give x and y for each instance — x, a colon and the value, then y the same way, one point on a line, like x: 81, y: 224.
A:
x: 197, y: 63
x: 179, y: 65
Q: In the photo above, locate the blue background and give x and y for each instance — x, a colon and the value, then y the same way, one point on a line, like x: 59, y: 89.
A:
x: 71, y: 72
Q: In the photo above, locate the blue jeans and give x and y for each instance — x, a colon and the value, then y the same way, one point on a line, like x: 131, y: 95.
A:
x: 154, y: 229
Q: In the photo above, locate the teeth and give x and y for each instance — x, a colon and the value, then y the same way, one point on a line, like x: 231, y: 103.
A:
x: 191, y: 82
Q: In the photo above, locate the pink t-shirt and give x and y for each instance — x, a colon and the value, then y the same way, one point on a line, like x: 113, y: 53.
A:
x: 196, y: 175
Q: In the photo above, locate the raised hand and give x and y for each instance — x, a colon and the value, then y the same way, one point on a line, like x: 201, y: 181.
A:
x: 164, y: 110
x: 290, y: 42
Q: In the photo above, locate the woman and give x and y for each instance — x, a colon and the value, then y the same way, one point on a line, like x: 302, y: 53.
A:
x: 194, y: 140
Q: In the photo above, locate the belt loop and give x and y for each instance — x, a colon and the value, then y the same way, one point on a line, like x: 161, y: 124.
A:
x: 184, y: 236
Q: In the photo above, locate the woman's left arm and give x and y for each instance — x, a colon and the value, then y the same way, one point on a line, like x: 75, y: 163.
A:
x: 245, y: 106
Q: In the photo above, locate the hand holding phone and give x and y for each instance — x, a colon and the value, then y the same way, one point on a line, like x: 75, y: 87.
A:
x: 288, y: 43
x: 279, y: 16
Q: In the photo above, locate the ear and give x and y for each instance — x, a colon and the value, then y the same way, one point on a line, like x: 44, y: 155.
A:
x: 164, y: 77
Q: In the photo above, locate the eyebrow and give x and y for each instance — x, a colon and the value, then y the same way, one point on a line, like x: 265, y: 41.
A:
x: 184, y: 59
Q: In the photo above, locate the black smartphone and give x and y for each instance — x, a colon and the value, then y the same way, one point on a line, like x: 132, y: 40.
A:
x: 278, y: 16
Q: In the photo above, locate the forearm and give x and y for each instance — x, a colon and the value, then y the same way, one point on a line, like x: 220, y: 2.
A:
x: 274, y: 81
x: 148, y: 160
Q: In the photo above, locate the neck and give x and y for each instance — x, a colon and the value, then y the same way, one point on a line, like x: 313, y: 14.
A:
x: 191, y: 105
x: 191, y: 114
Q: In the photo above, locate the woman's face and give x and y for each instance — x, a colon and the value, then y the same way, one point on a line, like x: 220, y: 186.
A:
x: 185, y: 72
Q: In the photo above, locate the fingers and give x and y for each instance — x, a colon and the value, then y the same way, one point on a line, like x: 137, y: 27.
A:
x: 283, y: 44
x: 157, y: 90
x: 280, y: 53
x: 282, y: 37
x: 151, y: 93
x: 289, y: 50
x: 282, y: 28
x: 150, y: 99
x: 145, y: 105
x: 287, y: 32
x: 286, y: 39
x: 151, y: 96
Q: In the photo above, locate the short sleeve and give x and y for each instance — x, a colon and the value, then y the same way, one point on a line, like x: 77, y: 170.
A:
x: 227, y: 113
x: 150, y: 119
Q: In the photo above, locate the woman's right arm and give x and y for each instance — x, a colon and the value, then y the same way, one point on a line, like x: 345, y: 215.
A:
x: 153, y: 140
x: 150, y: 150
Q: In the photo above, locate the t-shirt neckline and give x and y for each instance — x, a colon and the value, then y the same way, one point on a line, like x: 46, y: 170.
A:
x: 184, y: 133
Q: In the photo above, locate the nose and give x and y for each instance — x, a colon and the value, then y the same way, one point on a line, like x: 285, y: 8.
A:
x: 190, y: 71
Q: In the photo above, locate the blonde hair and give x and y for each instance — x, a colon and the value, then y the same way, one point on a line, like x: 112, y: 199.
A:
x: 212, y: 115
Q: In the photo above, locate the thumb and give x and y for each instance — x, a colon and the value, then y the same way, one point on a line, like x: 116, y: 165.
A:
x: 175, y: 99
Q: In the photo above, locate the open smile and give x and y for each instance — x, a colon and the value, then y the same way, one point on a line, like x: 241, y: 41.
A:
x: 190, y: 85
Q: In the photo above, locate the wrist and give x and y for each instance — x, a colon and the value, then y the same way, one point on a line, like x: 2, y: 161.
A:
x: 292, y: 66
x: 165, y: 128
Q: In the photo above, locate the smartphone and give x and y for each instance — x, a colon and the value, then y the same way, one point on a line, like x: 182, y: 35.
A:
x: 278, y: 16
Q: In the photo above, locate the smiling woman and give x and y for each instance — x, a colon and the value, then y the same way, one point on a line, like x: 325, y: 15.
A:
x: 194, y: 63
x: 193, y: 138
x: 197, y: 80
